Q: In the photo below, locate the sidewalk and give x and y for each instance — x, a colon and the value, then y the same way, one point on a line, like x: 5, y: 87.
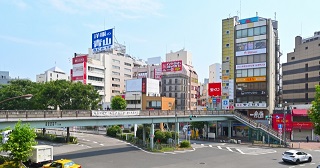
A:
x: 305, y: 145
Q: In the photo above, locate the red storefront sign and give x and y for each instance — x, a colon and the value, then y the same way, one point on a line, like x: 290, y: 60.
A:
x: 214, y: 89
x: 278, y: 119
x: 302, y: 125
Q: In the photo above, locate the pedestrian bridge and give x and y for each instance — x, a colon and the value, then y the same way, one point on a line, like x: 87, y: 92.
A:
x: 70, y: 118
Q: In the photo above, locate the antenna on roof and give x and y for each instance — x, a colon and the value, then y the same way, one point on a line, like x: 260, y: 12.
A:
x: 275, y: 15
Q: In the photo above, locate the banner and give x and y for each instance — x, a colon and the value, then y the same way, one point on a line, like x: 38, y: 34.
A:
x: 214, y: 89
x: 114, y: 113
x: 172, y: 66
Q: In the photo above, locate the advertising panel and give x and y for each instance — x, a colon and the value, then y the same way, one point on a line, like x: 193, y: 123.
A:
x: 80, y: 59
x: 133, y: 85
x: 157, y: 73
x: 302, y: 125
x: 225, y: 104
x: 144, y: 86
x: 251, y: 52
x: 153, y: 86
x: 254, y: 65
x: 114, y: 113
x: 78, y: 69
x: 257, y: 114
x: 79, y: 72
x: 102, y: 41
x: 214, y: 89
x: 249, y: 20
x: 278, y: 119
x: 251, y: 105
x: 251, y: 79
x: 172, y: 66
x: 246, y: 93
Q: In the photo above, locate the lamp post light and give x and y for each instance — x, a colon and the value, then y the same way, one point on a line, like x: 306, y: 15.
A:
x: 26, y: 96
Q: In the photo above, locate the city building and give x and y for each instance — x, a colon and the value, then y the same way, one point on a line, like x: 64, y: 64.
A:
x: 4, y: 77
x: 215, y: 73
x: 106, y: 71
x: 52, y: 74
x: 183, y: 55
x: 301, y: 72
x: 256, y: 60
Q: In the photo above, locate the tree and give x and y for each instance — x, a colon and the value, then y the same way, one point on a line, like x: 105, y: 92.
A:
x: 20, y: 142
x: 314, y: 112
x: 118, y: 103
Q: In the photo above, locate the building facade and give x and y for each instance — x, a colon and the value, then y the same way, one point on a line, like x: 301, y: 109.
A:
x: 4, y: 77
x: 182, y: 54
x: 256, y: 66
x: 215, y: 73
x: 52, y: 74
x: 302, y: 70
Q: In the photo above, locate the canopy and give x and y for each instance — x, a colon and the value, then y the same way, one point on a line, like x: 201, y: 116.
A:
x: 299, y: 112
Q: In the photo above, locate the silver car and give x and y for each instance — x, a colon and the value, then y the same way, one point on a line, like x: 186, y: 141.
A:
x: 295, y: 156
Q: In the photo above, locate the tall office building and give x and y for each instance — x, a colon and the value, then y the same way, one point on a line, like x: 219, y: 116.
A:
x: 215, y: 73
x: 228, y: 26
x: 302, y: 70
x: 256, y: 66
x: 250, y: 65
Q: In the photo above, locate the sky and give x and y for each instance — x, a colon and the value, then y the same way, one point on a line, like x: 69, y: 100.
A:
x: 38, y: 35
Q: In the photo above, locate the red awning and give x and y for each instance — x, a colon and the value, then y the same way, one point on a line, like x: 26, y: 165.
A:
x: 299, y: 112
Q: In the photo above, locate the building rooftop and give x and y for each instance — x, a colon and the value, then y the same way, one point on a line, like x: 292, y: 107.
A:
x: 55, y: 69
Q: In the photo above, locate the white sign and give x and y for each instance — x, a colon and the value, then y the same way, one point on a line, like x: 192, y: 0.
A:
x: 225, y: 104
x: 114, y: 113
x: 255, y: 65
x: 251, y: 52
x: 257, y: 114
x: 251, y: 104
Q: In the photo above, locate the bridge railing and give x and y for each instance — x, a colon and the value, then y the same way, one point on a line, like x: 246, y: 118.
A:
x: 87, y: 113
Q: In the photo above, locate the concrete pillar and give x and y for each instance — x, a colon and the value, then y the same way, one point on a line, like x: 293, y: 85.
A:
x: 43, y: 131
x: 217, y: 125
x: 229, y: 129
x: 144, y: 133
x: 161, y: 126
x: 135, y: 130
x: 68, y: 135
x: 176, y: 134
x: 151, y: 136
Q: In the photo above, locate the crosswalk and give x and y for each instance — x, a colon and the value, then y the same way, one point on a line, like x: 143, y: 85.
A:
x: 238, y: 149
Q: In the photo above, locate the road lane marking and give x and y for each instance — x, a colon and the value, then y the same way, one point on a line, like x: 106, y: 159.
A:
x: 202, y: 144
x: 219, y: 147
x: 229, y: 149
x: 240, y: 151
x: 210, y: 146
x: 101, y: 144
x: 95, y: 142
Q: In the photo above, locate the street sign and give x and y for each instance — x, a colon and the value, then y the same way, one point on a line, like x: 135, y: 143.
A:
x: 277, y: 117
x: 279, y: 126
x: 214, y: 100
x: 189, y: 133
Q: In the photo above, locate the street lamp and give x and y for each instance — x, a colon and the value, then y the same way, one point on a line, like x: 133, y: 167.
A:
x: 285, y: 108
x: 27, y: 96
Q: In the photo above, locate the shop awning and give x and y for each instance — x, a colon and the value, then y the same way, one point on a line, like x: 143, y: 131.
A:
x: 299, y: 112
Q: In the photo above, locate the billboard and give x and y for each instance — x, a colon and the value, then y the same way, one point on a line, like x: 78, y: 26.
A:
x: 249, y: 20
x: 80, y: 59
x: 252, y: 47
x: 251, y: 79
x: 144, y: 86
x: 102, y: 41
x: 214, y: 89
x: 79, y: 72
x: 254, y: 65
x: 157, y: 73
x: 172, y: 66
x: 240, y: 105
x: 133, y: 85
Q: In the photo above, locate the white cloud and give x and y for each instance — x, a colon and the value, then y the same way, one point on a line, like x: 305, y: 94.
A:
x: 125, y: 8
x: 20, y: 4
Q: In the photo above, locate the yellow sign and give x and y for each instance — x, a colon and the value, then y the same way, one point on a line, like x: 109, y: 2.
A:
x: 225, y: 77
x: 251, y: 79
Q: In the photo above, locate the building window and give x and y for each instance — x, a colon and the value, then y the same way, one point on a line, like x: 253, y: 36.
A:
x: 306, y: 86
x: 238, y: 33
x: 170, y: 94
x: 127, y: 70
x: 115, y: 67
x: 127, y: 64
x: 116, y: 79
x: 116, y: 73
x: 306, y: 95
x: 50, y: 74
x: 263, y: 30
x: 116, y: 61
x: 306, y: 67
x: 256, y: 31
x: 306, y: 77
x: 227, y: 32
x: 293, y: 58
x: 127, y: 75
x: 250, y: 32
x: 228, y: 45
x: 244, y: 33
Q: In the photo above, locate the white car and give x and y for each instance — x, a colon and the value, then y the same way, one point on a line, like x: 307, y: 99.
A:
x: 295, y: 156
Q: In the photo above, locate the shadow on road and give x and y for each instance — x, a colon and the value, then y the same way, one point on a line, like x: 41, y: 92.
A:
x: 94, y: 152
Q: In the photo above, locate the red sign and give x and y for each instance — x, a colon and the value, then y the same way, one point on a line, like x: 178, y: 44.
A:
x: 303, y: 125
x: 172, y: 66
x: 144, y: 85
x: 214, y: 89
x: 278, y: 119
x: 80, y: 59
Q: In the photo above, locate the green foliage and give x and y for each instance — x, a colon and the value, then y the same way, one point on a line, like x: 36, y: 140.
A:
x: 118, y: 103
x: 185, y: 144
x: 139, y: 132
x: 65, y: 94
x: 159, y: 135
x: 198, y: 124
x: 314, y: 112
x: 126, y: 131
x: 113, y: 130
x: 20, y: 142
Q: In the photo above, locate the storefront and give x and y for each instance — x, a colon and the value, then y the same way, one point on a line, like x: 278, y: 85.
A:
x: 301, y: 125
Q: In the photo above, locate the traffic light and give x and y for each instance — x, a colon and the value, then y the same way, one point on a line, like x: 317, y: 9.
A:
x: 192, y: 116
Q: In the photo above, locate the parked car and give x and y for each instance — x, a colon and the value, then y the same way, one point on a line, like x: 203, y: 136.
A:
x: 318, y: 166
x: 62, y: 163
x: 295, y: 156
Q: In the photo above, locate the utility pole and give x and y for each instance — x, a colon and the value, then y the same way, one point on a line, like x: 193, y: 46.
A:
x: 285, y: 108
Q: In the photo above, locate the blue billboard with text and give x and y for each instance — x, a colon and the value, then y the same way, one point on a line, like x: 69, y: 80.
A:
x: 102, y: 41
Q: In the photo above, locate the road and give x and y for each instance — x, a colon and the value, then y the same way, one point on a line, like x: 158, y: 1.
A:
x: 101, y: 151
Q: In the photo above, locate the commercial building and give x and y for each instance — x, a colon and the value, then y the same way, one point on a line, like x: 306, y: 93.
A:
x: 302, y: 70
x: 52, y: 74
x: 4, y: 77
x: 215, y: 73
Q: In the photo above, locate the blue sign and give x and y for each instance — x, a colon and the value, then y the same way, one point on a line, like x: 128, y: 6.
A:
x: 189, y: 133
x: 214, y: 100
x: 225, y: 102
x: 279, y: 126
x: 102, y: 41
x: 277, y: 117
x: 249, y: 20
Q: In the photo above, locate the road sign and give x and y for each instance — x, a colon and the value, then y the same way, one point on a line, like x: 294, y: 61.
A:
x: 225, y: 102
x: 279, y: 126
x: 214, y: 100
x: 277, y: 117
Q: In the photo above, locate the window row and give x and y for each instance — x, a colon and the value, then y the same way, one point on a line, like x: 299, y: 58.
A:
x: 251, y: 59
x: 154, y: 104
x: 116, y: 61
x: 94, y: 78
x: 255, y: 31
x: 115, y: 85
x: 116, y: 79
x: 251, y: 86
x: 115, y: 67
x: 251, y: 72
x: 252, y: 99
x: 251, y: 45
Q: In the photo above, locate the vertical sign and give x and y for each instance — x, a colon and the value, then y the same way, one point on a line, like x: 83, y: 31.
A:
x: 144, y: 85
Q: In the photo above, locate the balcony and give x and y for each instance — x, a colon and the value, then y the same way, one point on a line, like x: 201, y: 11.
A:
x: 96, y: 83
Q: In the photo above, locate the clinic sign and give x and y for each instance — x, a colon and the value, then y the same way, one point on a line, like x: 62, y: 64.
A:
x: 102, y: 41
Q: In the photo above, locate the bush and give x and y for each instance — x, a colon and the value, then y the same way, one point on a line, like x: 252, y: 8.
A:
x: 126, y: 131
x: 160, y: 136
x: 112, y: 131
x: 73, y: 140
x: 185, y: 144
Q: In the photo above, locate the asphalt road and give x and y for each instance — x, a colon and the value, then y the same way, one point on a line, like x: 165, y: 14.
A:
x: 100, y: 151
